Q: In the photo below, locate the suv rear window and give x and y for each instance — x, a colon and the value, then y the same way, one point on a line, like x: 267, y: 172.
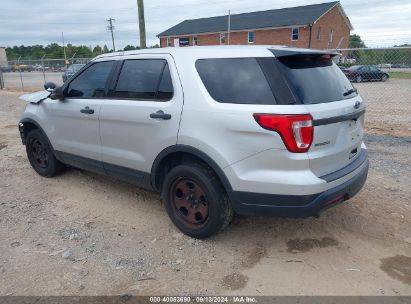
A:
x: 235, y: 80
x: 315, y: 78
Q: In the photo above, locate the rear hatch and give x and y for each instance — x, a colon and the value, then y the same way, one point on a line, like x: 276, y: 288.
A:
x: 337, y: 110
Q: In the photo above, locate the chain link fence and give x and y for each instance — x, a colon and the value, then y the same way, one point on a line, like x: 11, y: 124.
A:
x: 382, y: 77
x: 379, y: 73
x: 395, y: 62
x: 378, y: 70
x: 30, y: 75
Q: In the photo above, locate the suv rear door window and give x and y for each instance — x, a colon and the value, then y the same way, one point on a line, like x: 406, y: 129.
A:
x: 235, y: 80
x: 91, y: 82
x: 315, y: 78
x: 147, y: 79
x: 165, y: 89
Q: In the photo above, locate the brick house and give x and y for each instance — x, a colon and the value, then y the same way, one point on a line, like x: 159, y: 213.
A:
x: 320, y: 26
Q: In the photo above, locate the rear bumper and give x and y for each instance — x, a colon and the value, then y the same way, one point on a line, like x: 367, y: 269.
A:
x: 250, y: 203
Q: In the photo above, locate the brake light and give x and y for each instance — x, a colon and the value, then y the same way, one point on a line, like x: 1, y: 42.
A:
x: 296, y: 131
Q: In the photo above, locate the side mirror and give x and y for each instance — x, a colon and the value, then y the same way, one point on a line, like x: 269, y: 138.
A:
x: 49, y: 86
x: 57, y: 94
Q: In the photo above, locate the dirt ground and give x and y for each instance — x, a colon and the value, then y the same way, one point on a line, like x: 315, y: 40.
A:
x: 85, y: 234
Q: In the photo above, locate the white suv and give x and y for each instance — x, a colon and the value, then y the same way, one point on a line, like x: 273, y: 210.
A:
x: 216, y: 130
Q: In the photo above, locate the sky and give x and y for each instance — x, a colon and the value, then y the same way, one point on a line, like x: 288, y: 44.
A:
x: 380, y: 23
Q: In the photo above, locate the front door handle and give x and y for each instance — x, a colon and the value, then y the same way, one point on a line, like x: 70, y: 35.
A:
x: 87, y: 110
x: 160, y: 114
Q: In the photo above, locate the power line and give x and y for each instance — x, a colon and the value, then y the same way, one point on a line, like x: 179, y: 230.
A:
x: 110, y: 27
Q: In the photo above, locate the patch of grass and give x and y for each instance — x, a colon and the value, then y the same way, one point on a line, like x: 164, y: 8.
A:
x: 401, y: 75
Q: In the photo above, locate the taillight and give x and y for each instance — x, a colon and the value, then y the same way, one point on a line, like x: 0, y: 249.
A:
x: 296, y: 130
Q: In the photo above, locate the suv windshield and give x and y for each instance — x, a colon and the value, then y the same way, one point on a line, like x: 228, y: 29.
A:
x: 315, y: 78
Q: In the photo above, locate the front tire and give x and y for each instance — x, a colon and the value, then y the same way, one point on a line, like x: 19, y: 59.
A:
x: 196, y: 201
x: 358, y: 79
x: 41, y: 156
x: 384, y: 78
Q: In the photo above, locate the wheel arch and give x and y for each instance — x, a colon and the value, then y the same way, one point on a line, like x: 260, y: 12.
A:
x: 177, y: 154
x: 25, y: 126
x: 28, y: 124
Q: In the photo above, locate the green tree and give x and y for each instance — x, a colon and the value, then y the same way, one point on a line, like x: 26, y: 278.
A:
x: 97, y: 50
x: 130, y: 48
x: 105, y: 49
x: 356, y: 42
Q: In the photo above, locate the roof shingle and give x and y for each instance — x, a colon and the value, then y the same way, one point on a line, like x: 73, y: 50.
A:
x: 300, y: 15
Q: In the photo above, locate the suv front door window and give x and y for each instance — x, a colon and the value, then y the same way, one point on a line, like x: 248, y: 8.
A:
x: 91, y: 82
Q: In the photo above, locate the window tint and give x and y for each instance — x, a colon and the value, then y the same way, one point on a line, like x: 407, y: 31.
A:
x: 165, y: 89
x: 144, y: 79
x: 91, y: 82
x: 235, y: 80
x: 315, y: 78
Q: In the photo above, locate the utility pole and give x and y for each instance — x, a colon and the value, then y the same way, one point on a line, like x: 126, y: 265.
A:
x: 228, y: 29
x: 141, y: 24
x: 110, y: 27
x: 64, y: 48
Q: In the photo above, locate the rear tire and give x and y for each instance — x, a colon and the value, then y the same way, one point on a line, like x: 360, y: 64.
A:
x: 384, y: 78
x: 41, y: 155
x: 196, y: 201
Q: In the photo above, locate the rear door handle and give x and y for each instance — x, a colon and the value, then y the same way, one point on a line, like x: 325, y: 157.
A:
x: 87, y: 110
x: 161, y: 115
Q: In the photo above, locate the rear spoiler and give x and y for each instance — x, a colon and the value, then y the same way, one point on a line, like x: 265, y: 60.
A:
x: 293, y: 52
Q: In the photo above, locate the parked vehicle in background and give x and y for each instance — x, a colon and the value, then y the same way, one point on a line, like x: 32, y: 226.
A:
x: 5, y: 68
x: 385, y: 66
x: 71, y: 71
x: 360, y: 73
x: 216, y: 130
x: 400, y: 66
x: 38, y: 67
x: 22, y: 68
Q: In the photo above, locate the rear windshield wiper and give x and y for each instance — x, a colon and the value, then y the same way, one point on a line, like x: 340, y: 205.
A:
x: 349, y: 92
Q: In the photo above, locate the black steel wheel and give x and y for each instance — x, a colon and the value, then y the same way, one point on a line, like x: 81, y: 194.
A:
x: 195, y: 200
x: 40, y: 154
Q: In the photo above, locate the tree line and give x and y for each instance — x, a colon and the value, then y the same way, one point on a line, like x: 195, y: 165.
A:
x: 55, y: 50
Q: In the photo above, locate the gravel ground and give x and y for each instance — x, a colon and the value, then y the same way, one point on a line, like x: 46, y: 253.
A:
x: 81, y: 233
